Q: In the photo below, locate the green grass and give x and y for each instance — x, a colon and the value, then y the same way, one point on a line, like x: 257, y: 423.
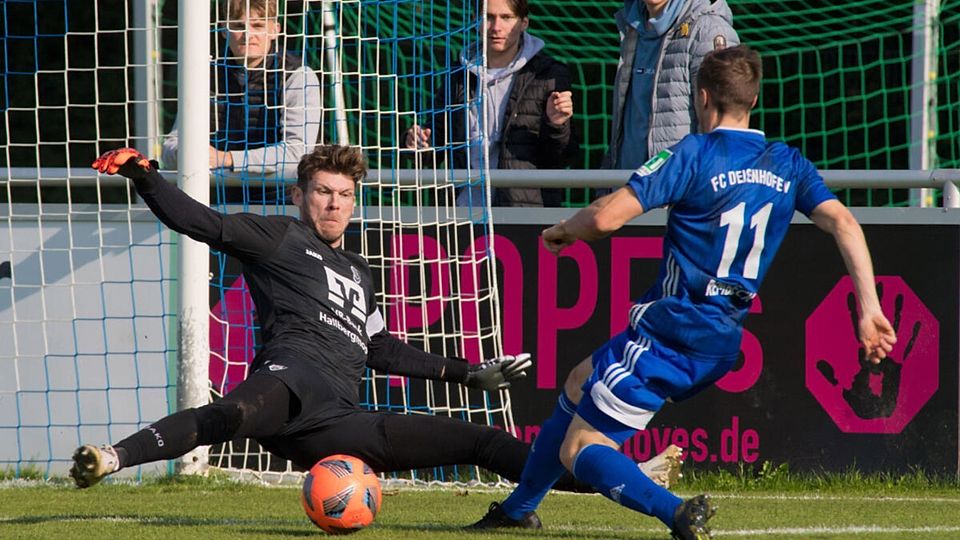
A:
x: 767, y: 503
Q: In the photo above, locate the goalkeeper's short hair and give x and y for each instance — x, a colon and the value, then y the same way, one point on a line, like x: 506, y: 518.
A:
x: 332, y: 158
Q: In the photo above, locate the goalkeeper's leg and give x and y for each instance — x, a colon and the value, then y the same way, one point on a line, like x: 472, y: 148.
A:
x: 424, y: 441
x: 397, y: 442
x: 258, y: 407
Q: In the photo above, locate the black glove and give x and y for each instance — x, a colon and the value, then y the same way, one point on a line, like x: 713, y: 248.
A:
x: 127, y: 161
x: 497, y: 373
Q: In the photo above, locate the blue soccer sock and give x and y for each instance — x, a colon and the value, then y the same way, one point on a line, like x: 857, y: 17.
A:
x: 619, y: 479
x: 543, y: 466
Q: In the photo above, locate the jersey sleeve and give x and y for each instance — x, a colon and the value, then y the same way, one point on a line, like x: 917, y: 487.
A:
x: 250, y: 237
x: 665, y: 177
x: 245, y: 236
x: 811, y: 191
x: 390, y: 355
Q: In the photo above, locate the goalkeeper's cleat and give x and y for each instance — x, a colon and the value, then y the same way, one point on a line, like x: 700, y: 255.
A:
x: 690, y: 519
x: 664, y: 468
x: 496, y: 518
x: 92, y: 464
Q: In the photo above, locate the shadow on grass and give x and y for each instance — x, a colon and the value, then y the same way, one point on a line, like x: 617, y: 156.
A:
x: 265, y: 528
x: 547, y: 532
x: 177, y: 521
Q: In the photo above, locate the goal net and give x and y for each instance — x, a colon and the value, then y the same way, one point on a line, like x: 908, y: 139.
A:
x: 88, y: 290
x: 88, y: 281
x: 839, y: 79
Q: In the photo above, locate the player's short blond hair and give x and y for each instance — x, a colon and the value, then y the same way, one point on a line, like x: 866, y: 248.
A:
x: 234, y: 9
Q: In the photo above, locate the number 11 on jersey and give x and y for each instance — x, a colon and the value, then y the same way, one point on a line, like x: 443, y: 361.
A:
x: 734, y: 219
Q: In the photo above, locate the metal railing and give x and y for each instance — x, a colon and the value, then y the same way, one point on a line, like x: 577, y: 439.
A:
x: 945, y: 179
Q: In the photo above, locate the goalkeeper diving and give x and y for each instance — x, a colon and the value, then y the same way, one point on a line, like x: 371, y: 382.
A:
x: 321, y: 328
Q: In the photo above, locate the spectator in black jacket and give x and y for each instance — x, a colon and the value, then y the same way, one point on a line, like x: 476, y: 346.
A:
x: 528, y: 110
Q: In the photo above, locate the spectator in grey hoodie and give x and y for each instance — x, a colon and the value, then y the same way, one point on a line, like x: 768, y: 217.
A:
x: 265, y: 110
x: 528, y: 110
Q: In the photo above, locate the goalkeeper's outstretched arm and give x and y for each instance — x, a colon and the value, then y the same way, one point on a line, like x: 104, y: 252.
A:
x: 245, y: 236
x: 391, y: 355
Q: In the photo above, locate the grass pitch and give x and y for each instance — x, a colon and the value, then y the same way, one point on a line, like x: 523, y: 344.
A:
x: 776, y: 506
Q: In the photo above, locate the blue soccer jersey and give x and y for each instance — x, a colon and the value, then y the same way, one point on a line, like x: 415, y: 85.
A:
x: 732, y: 195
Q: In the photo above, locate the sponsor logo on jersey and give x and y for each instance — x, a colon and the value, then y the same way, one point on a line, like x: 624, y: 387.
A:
x: 343, y: 291
x: 717, y: 288
x: 314, y: 254
x: 276, y: 367
x: 356, y: 274
x: 719, y: 42
x: 654, y: 163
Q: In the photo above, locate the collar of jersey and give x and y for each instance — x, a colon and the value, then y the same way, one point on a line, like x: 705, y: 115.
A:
x: 741, y: 130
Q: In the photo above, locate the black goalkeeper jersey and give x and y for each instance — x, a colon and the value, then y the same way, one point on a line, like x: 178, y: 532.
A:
x: 314, y: 303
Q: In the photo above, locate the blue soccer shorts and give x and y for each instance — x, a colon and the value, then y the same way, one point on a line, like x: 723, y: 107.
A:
x: 632, y: 377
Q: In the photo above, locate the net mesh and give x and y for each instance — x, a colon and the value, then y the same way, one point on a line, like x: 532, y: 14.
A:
x: 87, y: 293
x: 837, y: 79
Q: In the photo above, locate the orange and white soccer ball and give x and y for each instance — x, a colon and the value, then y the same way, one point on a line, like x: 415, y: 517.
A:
x: 341, y: 494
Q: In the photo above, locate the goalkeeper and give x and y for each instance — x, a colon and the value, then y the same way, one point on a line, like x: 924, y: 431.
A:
x: 321, y: 327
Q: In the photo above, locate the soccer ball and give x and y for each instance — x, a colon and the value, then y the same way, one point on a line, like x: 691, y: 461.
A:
x: 341, y: 494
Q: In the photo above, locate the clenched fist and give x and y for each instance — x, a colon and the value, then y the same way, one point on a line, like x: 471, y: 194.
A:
x: 559, y: 107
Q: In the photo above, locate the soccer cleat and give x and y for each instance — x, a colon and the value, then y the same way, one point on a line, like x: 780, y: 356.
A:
x: 664, y: 468
x: 496, y: 518
x: 92, y: 464
x: 690, y: 519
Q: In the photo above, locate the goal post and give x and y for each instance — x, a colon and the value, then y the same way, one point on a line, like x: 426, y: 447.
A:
x: 193, y: 177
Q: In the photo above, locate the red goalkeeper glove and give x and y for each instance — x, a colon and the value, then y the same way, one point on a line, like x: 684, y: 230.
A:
x: 126, y: 161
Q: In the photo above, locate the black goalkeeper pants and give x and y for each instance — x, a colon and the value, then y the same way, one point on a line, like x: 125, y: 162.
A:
x: 260, y: 406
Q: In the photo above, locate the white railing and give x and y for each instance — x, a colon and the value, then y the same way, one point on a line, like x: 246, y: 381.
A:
x: 945, y: 179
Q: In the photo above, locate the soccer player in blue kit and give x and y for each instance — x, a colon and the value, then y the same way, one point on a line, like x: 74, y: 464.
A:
x: 731, y: 196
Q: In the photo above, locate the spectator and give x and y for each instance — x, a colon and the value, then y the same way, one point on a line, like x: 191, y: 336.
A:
x: 266, y: 109
x: 528, y: 109
x: 662, y: 43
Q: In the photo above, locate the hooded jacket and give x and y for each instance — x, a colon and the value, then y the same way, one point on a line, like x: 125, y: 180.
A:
x: 516, y: 102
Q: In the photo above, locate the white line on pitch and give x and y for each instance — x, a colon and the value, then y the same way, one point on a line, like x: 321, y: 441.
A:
x: 870, y: 498
x: 805, y: 531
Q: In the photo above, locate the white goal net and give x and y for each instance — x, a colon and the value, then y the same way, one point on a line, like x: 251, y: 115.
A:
x: 88, y: 277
